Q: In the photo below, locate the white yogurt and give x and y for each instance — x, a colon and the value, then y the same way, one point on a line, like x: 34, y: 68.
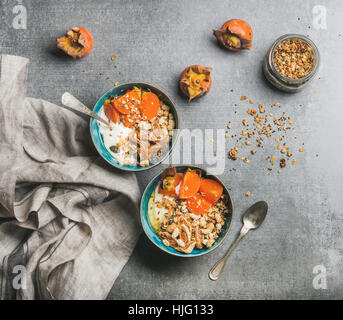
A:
x: 112, y: 136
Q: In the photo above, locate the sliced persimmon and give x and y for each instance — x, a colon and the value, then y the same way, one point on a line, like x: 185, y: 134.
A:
x: 110, y: 112
x: 150, y: 105
x: 125, y: 103
x: 211, y: 190
x: 169, y: 184
x: 190, y: 184
x: 128, y: 120
x: 198, y: 204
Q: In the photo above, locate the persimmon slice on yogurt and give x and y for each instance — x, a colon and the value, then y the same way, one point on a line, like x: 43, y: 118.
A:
x: 211, y: 190
x: 190, y: 184
x: 150, y: 105
x: 110, y: 112
x: 126, y: 102
x: 169, y: 185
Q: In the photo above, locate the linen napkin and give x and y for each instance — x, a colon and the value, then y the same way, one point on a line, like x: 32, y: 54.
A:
x: 68, y: 221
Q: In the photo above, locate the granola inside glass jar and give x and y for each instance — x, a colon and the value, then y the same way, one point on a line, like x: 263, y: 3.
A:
x: 291, y: 62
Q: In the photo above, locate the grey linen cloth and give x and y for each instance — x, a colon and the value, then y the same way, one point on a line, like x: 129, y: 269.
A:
x: 67, y: 218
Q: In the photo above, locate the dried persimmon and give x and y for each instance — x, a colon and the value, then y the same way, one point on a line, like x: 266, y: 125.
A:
x: 235, y: 35
x: 195, y: 81
x: 78, y: 42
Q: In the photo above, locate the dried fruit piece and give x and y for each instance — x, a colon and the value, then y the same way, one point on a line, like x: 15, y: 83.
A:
x: 195, y: 81
x: 78, y: 42
x: 235, y: 35
x: 199, y: 237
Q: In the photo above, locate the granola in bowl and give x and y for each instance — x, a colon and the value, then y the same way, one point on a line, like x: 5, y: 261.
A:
x: 141, y: 127
x: 188, y: 231
x: 188, y: 211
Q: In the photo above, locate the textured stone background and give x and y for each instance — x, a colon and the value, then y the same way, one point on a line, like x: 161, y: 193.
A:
x: 154, y: 41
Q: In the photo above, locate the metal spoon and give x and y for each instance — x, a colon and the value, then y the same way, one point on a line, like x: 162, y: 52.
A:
x: 71, y: 102
x: 252, y: 219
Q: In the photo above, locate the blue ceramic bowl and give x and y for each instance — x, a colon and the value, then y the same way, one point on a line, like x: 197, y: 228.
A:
x: 156, y: 240
x: 117, y: 92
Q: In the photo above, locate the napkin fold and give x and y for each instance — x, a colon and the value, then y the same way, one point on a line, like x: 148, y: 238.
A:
x: 68, y: 221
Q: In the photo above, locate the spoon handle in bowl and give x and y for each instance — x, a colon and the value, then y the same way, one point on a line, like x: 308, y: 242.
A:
x: 71, y: 102
x: 218, y: 268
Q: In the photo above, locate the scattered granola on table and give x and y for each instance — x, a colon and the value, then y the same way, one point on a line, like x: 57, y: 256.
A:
x: 233, y: 154
x: 265, y: 125
x: 282, y: 163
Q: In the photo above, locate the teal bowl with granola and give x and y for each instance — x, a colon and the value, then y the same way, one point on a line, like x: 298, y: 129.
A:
x: 131, y: 107
x: 194, y: 225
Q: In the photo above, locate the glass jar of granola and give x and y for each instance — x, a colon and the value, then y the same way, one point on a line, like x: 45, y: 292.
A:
x: 291, y: 62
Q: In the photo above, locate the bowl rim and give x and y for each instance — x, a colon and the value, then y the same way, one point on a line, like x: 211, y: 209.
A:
x: 175, y: 135
x: 210, y: 249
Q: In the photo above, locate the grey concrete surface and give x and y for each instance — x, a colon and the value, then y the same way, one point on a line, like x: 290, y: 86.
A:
x: 154, y: 41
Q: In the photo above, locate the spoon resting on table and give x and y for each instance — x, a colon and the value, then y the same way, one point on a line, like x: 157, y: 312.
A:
x: 252, y: 219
